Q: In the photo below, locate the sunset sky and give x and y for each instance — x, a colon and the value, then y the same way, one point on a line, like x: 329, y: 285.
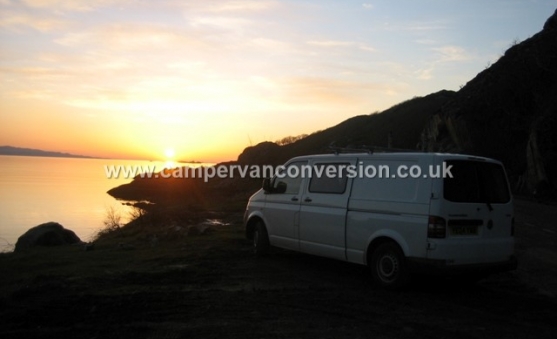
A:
x: 205, y: 79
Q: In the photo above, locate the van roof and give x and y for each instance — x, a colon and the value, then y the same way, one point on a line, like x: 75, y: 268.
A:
x: 394, y: 155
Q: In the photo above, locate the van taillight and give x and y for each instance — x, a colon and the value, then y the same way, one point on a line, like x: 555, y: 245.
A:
x: 437, y: 227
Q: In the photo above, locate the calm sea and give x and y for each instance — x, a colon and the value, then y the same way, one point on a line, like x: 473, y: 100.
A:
x: 72, y: 192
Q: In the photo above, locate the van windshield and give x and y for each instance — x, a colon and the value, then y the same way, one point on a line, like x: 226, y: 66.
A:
x: 476, y: 181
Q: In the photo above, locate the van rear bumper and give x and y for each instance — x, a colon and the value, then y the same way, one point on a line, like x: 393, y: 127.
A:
x: 434, y: 266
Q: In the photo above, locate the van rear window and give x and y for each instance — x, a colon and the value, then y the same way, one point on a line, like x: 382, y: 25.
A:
x: 475, y: 181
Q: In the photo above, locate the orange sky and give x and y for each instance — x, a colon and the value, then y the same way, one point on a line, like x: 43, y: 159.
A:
x: 131, y: 79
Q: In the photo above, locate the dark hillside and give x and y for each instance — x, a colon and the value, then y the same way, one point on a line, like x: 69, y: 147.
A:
x: 403, y: 121
x: 508, y: 112
x: 373, y: 130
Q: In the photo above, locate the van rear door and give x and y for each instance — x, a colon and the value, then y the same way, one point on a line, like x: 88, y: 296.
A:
x: 477, y: 206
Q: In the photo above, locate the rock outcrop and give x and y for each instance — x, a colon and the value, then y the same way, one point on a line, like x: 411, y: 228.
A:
x: 261, y: 154
x: 47, y: 234
x: 508, y: 112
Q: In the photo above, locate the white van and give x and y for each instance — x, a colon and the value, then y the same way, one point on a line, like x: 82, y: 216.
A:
x: 395, y: 212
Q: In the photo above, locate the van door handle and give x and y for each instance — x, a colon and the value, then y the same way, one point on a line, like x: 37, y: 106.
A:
x: 294, y: 199
x: 307, y: 200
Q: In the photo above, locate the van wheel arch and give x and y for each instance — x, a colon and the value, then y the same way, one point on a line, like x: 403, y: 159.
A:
x: 250, y: 226
x: 386, y: 251
x: 376, y: 243
x: 260, y: 239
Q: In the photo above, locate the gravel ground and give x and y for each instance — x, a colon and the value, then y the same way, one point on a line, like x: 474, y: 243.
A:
x: 213, y: 287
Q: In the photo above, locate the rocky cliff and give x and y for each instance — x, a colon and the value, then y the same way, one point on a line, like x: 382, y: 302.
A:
x: 508, y: 112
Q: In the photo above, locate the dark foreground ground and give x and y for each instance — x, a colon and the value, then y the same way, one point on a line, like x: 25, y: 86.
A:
x: 166, y: 284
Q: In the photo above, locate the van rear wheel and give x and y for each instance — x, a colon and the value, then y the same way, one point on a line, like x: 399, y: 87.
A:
x: 260, y: 239
x: 388, y: 266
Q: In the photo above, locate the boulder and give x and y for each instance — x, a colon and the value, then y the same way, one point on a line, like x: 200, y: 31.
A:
x: 47, y: 234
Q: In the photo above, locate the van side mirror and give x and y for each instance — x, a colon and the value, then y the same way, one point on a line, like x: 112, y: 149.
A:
x: 281, y: 187
x: 267, y: 188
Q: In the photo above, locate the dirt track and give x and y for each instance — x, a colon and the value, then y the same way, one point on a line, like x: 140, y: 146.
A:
x: 221, y: 291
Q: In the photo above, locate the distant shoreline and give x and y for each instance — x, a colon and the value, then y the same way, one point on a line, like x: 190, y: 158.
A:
x: 30, y: 152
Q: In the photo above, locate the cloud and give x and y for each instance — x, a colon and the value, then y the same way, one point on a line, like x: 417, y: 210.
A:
x: 271, y: 45
x: 14, y: 21
x: 73, y: 39
x: 367, y: 6
x: 244, y: 6
x: 187, y: 66
x: 417, y: 26
x: 325, y: 91
x: 150, y: 40
x: 336, y: 43
x: 32, y: 94
x: 330, y: 43
x: 78, y: 6
x: 426, y: 41
x: 442, y: 55
x: 211, y: 57
x: 425, y: 73
x: 451, y: 53
x: 72, y: 5
x: 220, y: 22
x: 46, y: 15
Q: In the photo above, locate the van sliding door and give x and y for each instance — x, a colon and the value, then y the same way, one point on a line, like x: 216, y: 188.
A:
x: 323, y: 209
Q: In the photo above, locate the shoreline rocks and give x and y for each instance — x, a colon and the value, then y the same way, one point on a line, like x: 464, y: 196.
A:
x: 47, y: 235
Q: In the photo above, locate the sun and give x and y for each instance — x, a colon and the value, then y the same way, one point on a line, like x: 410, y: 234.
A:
x: 169, y: 153
x: 169, y: 162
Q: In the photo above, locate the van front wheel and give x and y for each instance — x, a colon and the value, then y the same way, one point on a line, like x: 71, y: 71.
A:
x: 388, y: 266
x: 260, y: 239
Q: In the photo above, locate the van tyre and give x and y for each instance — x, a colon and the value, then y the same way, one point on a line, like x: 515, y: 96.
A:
x: 388, y: 266
x: 260, y: 240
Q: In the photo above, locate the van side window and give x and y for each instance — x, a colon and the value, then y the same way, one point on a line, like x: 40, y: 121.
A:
x: 289, y: 184
x: 328, y: 178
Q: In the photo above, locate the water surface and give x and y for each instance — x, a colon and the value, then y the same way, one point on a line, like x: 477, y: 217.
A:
x: 70, y: 191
